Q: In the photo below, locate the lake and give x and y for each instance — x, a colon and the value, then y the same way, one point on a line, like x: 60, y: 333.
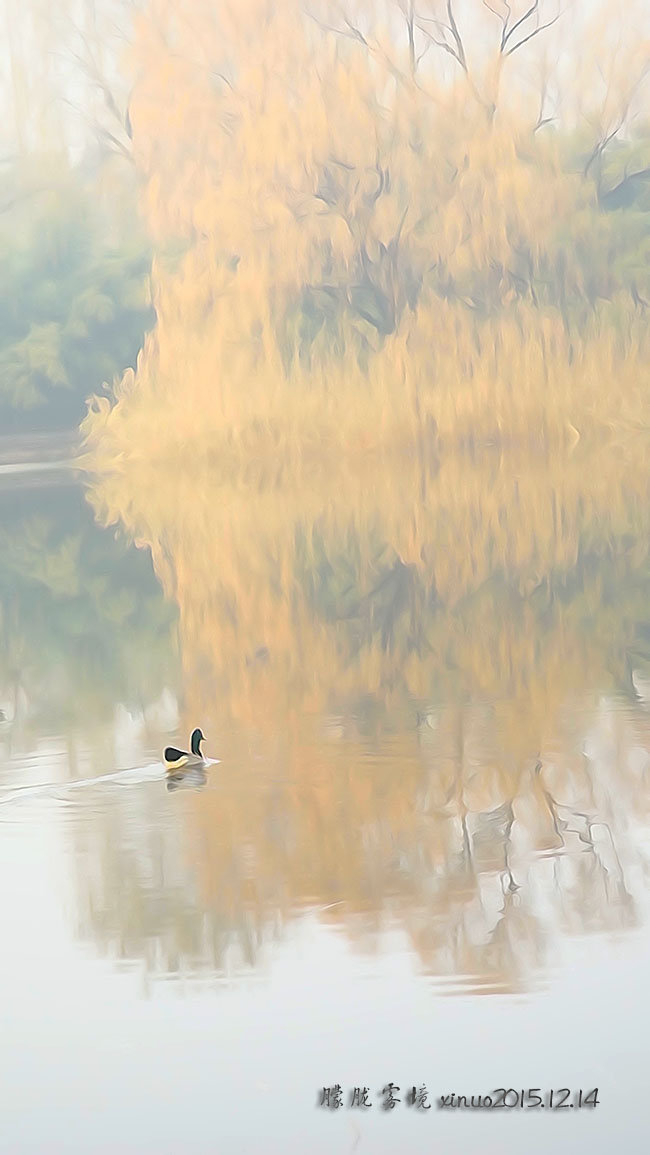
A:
x: 422, y: 859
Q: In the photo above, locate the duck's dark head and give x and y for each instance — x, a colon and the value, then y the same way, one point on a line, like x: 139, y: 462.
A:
x: 195, y: 742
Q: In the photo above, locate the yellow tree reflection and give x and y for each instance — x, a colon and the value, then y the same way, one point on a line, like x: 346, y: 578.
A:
x: 401, y: 671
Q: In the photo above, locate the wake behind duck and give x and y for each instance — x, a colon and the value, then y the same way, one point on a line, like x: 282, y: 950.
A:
x: 154, y: 772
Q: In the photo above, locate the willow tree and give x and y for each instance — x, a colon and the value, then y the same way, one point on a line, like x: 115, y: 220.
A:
x: 360, y: 230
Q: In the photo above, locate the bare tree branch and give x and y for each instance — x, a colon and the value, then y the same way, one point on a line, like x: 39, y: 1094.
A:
x: 535, y: 32
x: 509, y: 42
x: 423, y: 53
x: 607, y: 137
x: 541, y: 119
x: 408, y: 9
x: 500, y: 17
x: 351, y: 32
x: 456, y: 35
x: 455, y: 49
x: 445, y: 47
x: 102, y: 132
x: 330, y: 27
x: 522, y: 20
x: 89, y: 65
x: 601, y: 145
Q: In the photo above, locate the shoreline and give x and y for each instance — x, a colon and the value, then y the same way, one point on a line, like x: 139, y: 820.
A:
x: 47, y: 448
x: 30, y: 458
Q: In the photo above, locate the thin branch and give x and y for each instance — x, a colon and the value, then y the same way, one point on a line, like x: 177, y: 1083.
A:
x: 351, y: 32
x: 423, y: 52
x: 445, y: 47
x: 410, y: 24
x: 330, y: 28
x: 602, y: 144
x: 220, y: 76
x: 90, y: 67
x: 355, y: 32
x: 509, y: 32
x: 522, y: 20
x: 100, y: 130
x: 503, y: 20
x: 541, y: 119
x: 459, y: 57
x: 456, y: 35
x: 118, y: 144
x: 535, y: 32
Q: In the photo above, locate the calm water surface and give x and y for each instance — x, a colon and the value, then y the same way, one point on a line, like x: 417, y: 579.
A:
x: 423, y: 857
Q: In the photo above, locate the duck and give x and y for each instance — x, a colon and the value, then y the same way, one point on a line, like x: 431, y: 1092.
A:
x: 174, y: 759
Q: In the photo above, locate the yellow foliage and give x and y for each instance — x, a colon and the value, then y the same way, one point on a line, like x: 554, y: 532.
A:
x: 361, y: 248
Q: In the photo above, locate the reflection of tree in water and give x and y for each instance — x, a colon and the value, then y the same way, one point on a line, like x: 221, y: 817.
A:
x: 140, y: 896
x: 543, y: 858
x: 400, y: 679
x: 82, y: 621
x: 480, y: 868
x: 515, y: 580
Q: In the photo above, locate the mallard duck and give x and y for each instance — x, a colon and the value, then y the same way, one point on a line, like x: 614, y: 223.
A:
x: 174, y: 759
